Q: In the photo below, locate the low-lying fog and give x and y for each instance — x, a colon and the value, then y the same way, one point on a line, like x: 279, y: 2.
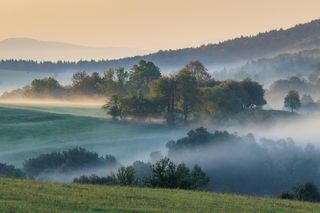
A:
x: 29, y: 128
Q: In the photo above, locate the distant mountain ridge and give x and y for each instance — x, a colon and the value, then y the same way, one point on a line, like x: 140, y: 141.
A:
x: 236, y: 51
x: 297, y: 38
x: 32, y: 49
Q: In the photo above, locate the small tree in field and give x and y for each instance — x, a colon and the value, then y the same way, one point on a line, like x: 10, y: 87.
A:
x: 292, y: 100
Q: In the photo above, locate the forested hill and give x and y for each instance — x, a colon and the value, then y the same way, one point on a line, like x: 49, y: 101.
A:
x: 302, y: 36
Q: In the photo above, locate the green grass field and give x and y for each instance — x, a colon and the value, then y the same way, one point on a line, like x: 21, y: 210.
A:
x: 29, y: 196
x: 29, y: 131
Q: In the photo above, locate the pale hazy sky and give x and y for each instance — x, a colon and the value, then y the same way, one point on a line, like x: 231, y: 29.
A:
x: 149, y: 24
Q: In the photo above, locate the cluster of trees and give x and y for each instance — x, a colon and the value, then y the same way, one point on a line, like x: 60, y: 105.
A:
x: 162, y: 174
x: 10, y: 171
x: 191, y: 93
x: 304, y: 192
x: 70, y: 160
x: 198, y: 138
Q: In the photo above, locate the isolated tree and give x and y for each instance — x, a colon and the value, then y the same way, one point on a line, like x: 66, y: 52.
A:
x: 292, y: 100
x: 198, y: 70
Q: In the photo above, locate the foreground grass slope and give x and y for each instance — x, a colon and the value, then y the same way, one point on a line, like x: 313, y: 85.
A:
x: 29, y: 196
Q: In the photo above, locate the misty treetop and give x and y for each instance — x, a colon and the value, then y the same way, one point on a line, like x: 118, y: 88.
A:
x: 162, y: 174
x: 199, y: 138
x: 247, y: 165
x: 69, y: 160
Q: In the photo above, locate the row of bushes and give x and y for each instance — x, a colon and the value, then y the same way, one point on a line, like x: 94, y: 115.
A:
x: 163, y: 174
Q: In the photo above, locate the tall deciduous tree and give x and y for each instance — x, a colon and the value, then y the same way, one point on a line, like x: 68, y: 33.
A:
x: 142, y: 75
x: 187, y: 93
x: 255, y: 93
x: 292, y: 100
x: 114, y: 107
x: 164, y: 91
x: 198, y: 70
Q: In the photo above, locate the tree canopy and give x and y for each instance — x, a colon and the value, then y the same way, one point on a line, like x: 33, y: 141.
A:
x: 292, y: 100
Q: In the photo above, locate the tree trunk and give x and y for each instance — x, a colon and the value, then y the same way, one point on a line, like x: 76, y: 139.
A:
x: 185, y: 112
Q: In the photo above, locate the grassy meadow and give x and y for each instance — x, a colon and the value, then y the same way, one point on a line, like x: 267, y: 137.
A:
x: 26, y: 131
x: 29, y: 196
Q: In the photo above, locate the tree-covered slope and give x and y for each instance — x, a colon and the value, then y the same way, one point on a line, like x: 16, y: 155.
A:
x: 29, y: 196
x: 299, y: 37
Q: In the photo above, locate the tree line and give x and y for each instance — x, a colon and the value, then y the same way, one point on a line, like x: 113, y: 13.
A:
x: 190, y: 94
x: 162, y: 174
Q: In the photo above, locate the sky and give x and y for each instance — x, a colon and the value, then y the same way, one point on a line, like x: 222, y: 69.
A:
x: 149, y: 24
